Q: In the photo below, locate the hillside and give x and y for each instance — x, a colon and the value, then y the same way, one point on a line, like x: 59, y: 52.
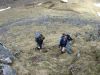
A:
x: 52, y: 18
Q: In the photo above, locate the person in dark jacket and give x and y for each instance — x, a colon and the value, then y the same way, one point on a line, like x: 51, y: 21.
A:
x: 69, y: 37
x: 39, y: 40
x: 63, y: 43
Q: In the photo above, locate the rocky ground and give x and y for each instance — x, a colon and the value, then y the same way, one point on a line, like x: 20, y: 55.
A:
x: 17, y: 28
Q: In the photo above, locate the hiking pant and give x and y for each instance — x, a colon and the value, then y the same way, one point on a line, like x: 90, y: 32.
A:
x: 39, y: 43
x: 62, y: 49
x: 69, y: 48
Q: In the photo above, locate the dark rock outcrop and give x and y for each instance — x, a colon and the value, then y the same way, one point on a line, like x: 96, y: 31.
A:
x: 5, y: 55
x: 6, y: 58
x: 6, y: 70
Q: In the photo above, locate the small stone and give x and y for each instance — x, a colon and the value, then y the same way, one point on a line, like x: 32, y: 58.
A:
x: 65, y: 1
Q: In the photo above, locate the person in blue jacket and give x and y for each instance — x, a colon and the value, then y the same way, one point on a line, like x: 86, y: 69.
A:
x: 39, y: 38
x: 63, y: 43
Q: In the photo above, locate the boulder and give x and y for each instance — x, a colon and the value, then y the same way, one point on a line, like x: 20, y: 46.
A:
x: 64, y: 1
x: 7, y: 70
x: 6, y: 60
x: 6, y: 56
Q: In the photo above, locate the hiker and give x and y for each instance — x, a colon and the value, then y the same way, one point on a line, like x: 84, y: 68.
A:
x: 39, y: 38
x: 69, y: 37
x: 69, y: 43
x: 63, y: 43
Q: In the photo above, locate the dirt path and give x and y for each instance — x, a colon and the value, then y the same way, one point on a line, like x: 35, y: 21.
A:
x: 71, y: 19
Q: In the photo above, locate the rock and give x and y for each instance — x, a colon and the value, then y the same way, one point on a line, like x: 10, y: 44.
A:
x: 6, y: 60
x: 5, y: 55
x: 65, y: 1
x: 7, y: 70
x: 5, y: 9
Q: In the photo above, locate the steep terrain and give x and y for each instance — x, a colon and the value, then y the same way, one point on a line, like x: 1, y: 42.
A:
x: 18, y: 25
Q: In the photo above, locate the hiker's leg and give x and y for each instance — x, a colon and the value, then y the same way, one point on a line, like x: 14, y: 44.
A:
x: 41, y: 44
x: 38, y: 44
x: 63, y: 50
x: 36, y: 40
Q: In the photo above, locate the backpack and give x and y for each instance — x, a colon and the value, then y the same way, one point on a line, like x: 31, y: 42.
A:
x: 37, y: 34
